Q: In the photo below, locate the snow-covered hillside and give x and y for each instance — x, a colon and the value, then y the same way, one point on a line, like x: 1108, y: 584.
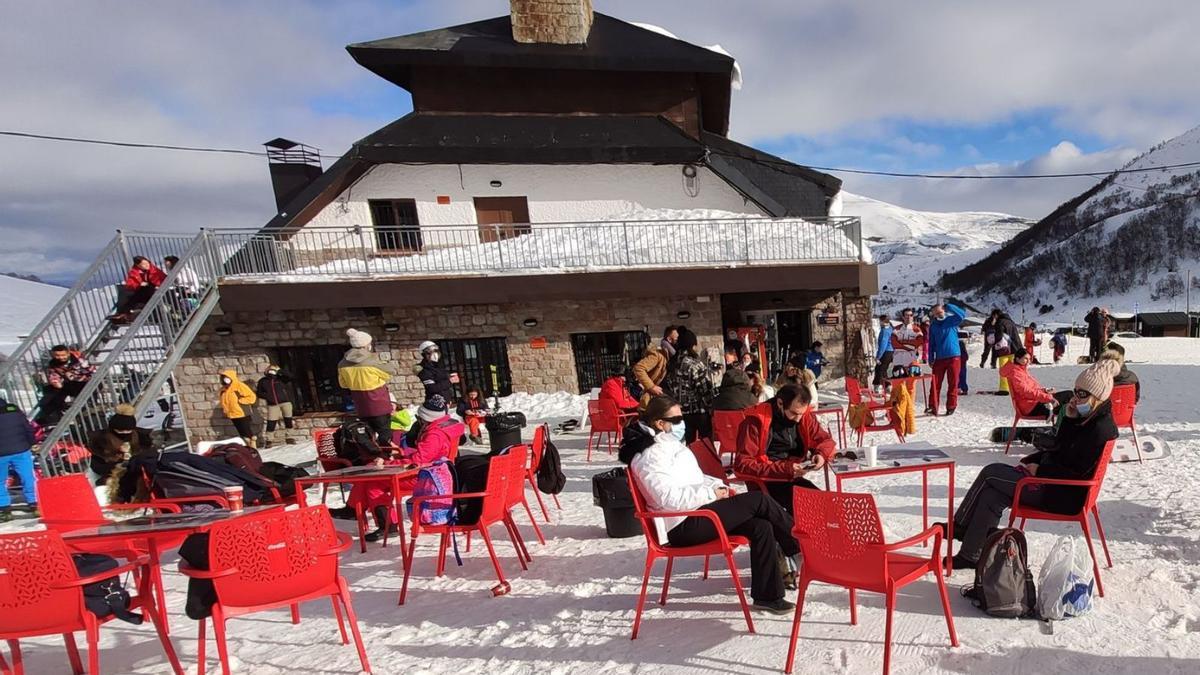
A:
x: 914, y: 248
x: 23, y: 306
x: 1128, y: 241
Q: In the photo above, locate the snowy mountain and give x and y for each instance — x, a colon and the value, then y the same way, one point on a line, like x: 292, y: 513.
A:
x: 24, y: 305
x: 914, y: 248
x: 1130, y: 240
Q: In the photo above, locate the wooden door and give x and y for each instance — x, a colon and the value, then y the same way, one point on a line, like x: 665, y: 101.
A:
x: 501, y: 217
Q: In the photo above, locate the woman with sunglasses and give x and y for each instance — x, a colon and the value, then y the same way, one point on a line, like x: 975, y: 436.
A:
x: 1078, y: 448
x: 668, y: 476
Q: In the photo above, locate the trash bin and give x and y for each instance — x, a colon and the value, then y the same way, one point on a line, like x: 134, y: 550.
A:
x: 504, y: 430
x: 610, y: 491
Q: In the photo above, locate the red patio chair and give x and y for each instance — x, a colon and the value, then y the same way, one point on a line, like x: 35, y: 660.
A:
x: 1017, y: 417
x: 707, y: 458
x: 725, y: 424
x: 42, y: 594
x: 1124, y: 402
x: 501, y: 470
x: 855, y: 393
x: 1089, y: 506
x: 842, y: 541
x: 272, y: 559
x: 607, y: 422
x: 515, y: 495
x: 537, y: 450
x: 327, y: 457
x: 723, y: 545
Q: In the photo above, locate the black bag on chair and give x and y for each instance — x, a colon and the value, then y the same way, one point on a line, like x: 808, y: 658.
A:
x: 106, y: 597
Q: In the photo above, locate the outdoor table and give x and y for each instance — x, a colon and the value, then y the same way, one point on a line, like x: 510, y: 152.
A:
x: 362, y: 474
x: 154, y: 530
x: 839, y: 414
x: 918, y: 456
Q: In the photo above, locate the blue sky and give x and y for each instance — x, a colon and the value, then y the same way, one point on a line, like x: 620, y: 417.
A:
x: 922, y: 85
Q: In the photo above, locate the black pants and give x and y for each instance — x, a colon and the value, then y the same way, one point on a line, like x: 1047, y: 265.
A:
x: 756, y: 517
x: 382, y: 426
x: 244, y: 426
x: 1095, y: 346
x: 54, y: 402
x: 781, y: 492
x: 980, y: 511
x: 699, y: 425
x: 882, y: 368
x: 135, y: 299
x: 1041, y: 410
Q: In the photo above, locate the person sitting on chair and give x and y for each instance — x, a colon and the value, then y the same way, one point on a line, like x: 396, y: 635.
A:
x: 1032, y: 399
x: 671, y: 480
x: 781, y: 441
x: 1077, y: 451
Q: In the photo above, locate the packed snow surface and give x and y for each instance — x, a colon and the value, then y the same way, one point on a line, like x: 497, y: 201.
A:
x: 24, y: 305
x: 571, y: 612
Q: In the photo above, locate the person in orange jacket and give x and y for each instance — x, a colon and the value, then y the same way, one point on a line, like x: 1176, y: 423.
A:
x: 781, y: 441
x: 1032, y: 399
x: 614, y: 389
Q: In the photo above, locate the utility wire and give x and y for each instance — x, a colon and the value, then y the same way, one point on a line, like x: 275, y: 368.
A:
x: 865, y: 172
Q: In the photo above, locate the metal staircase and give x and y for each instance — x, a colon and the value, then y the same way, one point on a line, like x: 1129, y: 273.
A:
x: 133, y: 362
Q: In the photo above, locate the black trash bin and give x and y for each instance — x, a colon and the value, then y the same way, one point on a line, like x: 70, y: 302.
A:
x: 504, y: 430
x: 610, y: 491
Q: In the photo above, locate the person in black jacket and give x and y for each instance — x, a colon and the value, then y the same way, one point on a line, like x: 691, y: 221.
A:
x: 688, y: 382
x: 433, y: 374
x: 988, y: 325
x: 734, y: 393
x: 1078, y: 450
x: 275, y: 388
x: 16, y: 454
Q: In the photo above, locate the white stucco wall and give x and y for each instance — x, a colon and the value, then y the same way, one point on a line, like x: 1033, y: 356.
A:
x: 556, y: 193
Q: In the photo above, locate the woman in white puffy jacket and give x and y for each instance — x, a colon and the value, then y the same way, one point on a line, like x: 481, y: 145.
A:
x: 671, y: 480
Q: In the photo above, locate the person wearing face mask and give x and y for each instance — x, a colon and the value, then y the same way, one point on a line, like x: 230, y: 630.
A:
x: 945, y: 355
x: 432, y: 373
x: 781, y: 442
x: 668, y: 476
x: 117, y: 443
x: 235, y: 396
x: 1076, y: 453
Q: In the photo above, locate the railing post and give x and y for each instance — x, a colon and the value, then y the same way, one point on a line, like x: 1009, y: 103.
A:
x: 746, y: 238
x: 499, y: 244
x: 625, y: 232
x: 124, y: 248
x: 73, y: 315
x: 362, y: 246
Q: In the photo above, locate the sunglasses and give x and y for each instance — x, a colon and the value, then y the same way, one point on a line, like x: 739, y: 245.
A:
x: 673, y: 420
x: 1081, y: 394
x: 849, y: 454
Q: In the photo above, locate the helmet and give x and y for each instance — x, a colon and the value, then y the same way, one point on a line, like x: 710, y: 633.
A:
x: 427, y: 346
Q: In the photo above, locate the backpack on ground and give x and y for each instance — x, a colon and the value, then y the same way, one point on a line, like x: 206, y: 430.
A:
x: 1066, y: 580
x: 108, y: 596
x: 550, y: 478
x: 1003, y: 582
x: 435, y: 480
x: 239, y: 456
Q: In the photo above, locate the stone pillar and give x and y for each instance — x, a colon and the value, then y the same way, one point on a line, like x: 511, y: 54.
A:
x: 856, y: 313
x: 564, y: 22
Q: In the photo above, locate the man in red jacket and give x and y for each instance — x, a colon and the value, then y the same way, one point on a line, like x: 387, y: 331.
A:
x: 780, y: 441
x: 614, y: 389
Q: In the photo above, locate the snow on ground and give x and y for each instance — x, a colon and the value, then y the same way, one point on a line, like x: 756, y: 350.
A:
x: 572, y: 610
x: 25, y: 303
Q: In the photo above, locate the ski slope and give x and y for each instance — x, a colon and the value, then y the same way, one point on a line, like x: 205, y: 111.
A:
x: 23, y: 306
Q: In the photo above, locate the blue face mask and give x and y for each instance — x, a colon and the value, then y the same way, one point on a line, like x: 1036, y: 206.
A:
x: 1084, y: 409
x: 679, y: 431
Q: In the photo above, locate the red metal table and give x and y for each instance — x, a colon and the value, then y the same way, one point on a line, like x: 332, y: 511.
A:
x: 919, y: 457
x: 363, y: 474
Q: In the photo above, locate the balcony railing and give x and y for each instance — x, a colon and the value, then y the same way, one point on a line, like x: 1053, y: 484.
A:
x: 314, y: 253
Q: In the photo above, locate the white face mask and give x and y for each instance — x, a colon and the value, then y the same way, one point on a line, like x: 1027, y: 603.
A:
x: 434, y: 357
x: 226, y: 380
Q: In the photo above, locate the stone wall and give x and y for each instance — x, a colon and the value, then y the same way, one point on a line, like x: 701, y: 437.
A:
x: 249, y: 348
x: 555, y: 21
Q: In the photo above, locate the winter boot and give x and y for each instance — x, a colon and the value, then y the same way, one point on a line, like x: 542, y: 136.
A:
x: 344, y: 513
x: 5, y: 515
x: 385, y: 525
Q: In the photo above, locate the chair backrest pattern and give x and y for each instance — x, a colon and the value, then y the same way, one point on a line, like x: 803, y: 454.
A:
x: 30, y: 564
x: 840, y: 533
x: 603, y: 415
x: 68, y: 498
x: 495, y: 503
x: 323, y: 439
x: 1124, y: 400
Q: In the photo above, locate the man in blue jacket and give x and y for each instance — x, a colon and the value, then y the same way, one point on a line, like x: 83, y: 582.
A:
x: 945, y: 354
x: 883, y: 353
x: 16, y: 454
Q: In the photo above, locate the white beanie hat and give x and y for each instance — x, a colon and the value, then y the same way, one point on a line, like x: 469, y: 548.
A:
x: 358, y: 339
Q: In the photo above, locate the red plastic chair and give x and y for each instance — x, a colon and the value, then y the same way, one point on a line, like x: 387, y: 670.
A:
x: 515, y: 495
x: 723, y: 545
x: 725, y: 424
x: 501, y: 470
x: 607, y: 422
x: 536, y: 450
x: 1089, y: 506
x: 273, y: 559
x: 327, y: 457
x: 842, y: 541
x: 707, y: 458
x: 1124, y: 402
x: 1017, y: 417
x: 855, y: 393
x: 42, y: 594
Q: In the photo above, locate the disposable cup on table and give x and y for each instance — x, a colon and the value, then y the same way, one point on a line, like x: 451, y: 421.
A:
x: 872, y: 453
x: 233, y: 495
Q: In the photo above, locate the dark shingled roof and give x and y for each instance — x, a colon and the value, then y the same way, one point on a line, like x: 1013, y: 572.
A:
x: 1164, y: 318
x: 612, y: 45
x: 780, y: 187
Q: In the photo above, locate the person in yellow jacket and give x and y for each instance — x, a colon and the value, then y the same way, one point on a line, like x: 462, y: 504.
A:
x: 235, y: 396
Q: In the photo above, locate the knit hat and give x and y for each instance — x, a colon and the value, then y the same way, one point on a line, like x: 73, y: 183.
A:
x: 1097, y: 379
x: 434, y: 408
x: 358, y: 339
x: 123, y: 418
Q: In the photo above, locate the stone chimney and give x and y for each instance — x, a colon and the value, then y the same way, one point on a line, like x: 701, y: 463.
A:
x: 563, y: 22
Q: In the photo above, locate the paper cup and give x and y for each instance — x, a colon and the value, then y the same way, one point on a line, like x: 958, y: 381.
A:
x: 872, y: 455
x: 233, y: 495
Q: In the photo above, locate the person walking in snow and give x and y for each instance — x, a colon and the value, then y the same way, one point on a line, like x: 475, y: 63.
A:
x: 884, y: 349
x: 235, y: 398
x: 1006, y: 338
x: 275, y: 389
x: 988, y: 331
x: 363, y: 373
x: 433, y: 373
x: 16, y: 456
x: 1059, y: 342
x: 688, y: 382
x: 945, y: 354
x: 1097, y: 329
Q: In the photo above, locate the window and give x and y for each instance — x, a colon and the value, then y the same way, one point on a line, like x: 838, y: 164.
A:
x: 479, y: 362
x: 597, y: 355
x: 314, y: 376
x: 396, y: 224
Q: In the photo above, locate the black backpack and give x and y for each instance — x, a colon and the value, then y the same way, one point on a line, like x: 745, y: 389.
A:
x: 1003, y: 582
x: 108, y: 596
x: 357, y: 442
x: 550, y: 478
